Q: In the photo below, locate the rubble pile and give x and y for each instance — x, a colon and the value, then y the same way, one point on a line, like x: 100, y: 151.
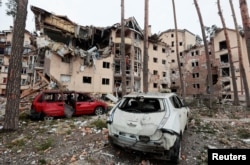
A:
x: 83, y: 140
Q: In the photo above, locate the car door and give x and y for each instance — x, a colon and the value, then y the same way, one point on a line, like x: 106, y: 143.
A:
x: 52, y: 105
x: 84, y: 104
x: 182, y: 112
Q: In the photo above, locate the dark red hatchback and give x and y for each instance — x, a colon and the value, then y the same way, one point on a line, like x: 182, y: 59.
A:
x: 65, y: 103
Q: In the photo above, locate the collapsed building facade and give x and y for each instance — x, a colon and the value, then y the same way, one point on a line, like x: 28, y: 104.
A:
x: 88, y: 58
x: 68, y: 56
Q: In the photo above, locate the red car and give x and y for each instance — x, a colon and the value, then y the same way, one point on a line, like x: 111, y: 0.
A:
x: 65, y: 103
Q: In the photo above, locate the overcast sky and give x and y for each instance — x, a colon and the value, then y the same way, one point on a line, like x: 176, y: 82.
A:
x: 108, y: 12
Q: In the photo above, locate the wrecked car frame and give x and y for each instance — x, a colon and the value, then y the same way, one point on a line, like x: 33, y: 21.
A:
x: 149, y: 123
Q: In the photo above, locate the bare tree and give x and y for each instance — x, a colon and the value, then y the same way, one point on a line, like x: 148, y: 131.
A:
x: 242, y: 68
x: 123, y: 64
x: 145, y: 55
x: 15, y: 67
x: 210, y: 85
x: 246, y: 24
x: 177, y: 52
x: 236, y: 98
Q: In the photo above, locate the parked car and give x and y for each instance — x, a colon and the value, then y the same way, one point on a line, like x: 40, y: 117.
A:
x: 149, y: 122
x: 65, y: 103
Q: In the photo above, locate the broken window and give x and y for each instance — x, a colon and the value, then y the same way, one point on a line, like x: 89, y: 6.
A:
x: 195, y: 63
x: 163, y: 50
x: 164, y: 86
x: 26, y: 50
x: 105, y: 81
x: 225, y: 72
x: 155, y: 85
x: 180, y: 43
x: 155, y: 47
x: 172, y: 43
x: 1, y: 50
x: 106, y: 64
x: 8, y: 50
x: 224, y: 58
x: 172, y: 51
x: 195, y: 75
x: 223, y: 45
x: 180, y: 53
x: 5, y: 80
x: 24, y: 70
x: 196, y: 86
x: 173, y: 82
x: 173, y: 72
x: 86, y: 80
x: 163, y: 61
x: 172, y: 60
x: 117, y: 67
x: 164, y: 74
x: 192, y: 53
x: 23, y: 81
x: 181, y: 64
x: 172, y: 35
x: 66, y: 58
x: 197, y: 52
x: 226, y: 97
x: 215, y: 78
x: 155, y: 60
x: 155, y: 72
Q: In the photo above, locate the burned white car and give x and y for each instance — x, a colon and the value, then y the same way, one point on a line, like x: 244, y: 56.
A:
x: 151, y: 123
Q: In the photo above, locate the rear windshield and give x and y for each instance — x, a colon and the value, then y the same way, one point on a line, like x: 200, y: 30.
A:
x: 142, y: 105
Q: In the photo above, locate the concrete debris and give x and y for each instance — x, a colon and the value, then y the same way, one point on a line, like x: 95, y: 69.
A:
x: 76, y: 141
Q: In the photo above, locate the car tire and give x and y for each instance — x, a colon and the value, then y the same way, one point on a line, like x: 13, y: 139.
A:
x: 176, y: 151
x: 99, y: 111
x: 34, y: 115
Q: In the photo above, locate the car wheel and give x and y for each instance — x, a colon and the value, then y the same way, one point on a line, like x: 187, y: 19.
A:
x: 34, y: 115
x: 176, y: 151
x: 99, y: 111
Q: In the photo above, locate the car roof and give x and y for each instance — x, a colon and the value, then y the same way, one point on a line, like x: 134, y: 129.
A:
x: 150, y: 95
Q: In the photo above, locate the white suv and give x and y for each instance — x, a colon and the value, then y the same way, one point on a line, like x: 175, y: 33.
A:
x: 150, y: 123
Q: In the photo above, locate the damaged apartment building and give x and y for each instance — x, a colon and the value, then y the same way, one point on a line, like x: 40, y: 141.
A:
x: 28, y: 59
x: 194, y: 64
x: 88, y: 58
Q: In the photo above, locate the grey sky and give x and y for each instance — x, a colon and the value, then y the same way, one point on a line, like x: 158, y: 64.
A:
x: 108, y: 12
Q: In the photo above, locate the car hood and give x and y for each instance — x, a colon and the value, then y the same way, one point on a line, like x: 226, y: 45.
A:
x: 137, y: 123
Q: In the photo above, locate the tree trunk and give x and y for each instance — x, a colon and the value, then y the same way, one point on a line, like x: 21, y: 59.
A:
x: 246, y: 25
x: 15, y: 67
x: 177, y: 52
x: 242, y: 68
x: 236, y: 98
x: 145, y: 55
x: 210, y: 85
x: 123, y: 64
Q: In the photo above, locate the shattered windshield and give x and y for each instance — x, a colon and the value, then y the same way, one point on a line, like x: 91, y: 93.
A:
x: 142, y: 105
